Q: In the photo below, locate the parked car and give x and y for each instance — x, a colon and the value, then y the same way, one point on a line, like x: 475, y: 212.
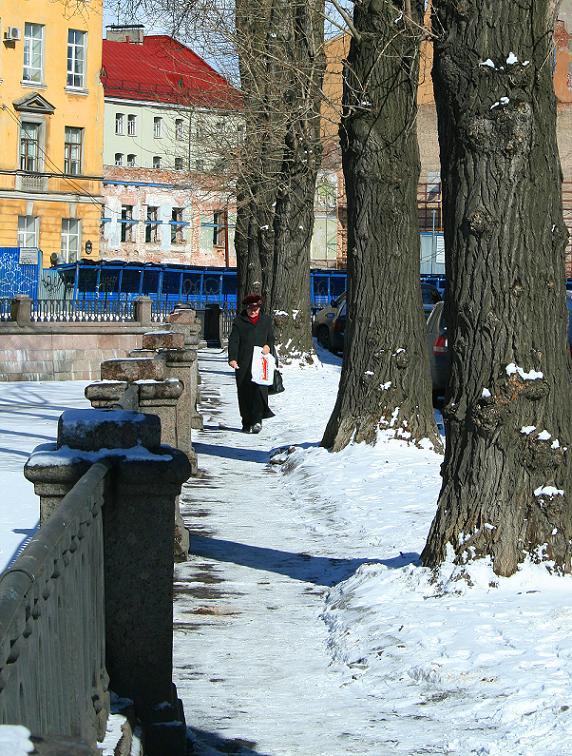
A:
x: 330, y: 322
x: 438, y: 347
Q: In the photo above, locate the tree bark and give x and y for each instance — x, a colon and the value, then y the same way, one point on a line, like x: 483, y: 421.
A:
x: 507, y: 479
x: 294, y: 217
x: 385, y: 381
x: 261, y: 47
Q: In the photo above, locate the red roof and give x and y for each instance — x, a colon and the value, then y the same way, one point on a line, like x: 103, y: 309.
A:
x: 163, y: 70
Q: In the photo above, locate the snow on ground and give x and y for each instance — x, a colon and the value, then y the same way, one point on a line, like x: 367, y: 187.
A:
x: 29, y: 415
x: 304, y: 624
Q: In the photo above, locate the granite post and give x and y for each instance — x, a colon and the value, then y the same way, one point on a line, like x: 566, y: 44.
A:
x: 144, y: 480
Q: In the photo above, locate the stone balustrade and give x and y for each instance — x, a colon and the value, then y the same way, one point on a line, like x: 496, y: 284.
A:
x: 89, y: 601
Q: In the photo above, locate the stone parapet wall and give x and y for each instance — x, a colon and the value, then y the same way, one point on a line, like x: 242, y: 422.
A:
x: 63, y: 351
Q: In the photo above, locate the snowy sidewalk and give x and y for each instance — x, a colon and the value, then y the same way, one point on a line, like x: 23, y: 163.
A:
x: 251, y: 649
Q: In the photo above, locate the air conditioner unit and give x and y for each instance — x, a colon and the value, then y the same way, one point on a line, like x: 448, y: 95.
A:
x: 11, y: 34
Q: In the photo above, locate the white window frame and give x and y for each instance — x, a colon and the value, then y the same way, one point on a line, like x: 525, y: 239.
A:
x: 156, y: 161
x: 69, y: 151
x: 179, y: 129
x: 119, y: 159
x: 120, y: 124
x: 157, y: 127
x: 28, y: 237
x: 33, y: 73
x: 71, y: 230
x: 131, y: 160
x: 38, y: 156
x: 179, y: 164
x: 131, y: 125
x: 76, y: 59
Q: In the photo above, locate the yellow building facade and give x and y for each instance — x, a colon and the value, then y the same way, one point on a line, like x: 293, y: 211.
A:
x: 51, y: 127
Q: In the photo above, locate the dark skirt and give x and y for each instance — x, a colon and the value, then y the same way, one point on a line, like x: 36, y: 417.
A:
x: 252, y: 402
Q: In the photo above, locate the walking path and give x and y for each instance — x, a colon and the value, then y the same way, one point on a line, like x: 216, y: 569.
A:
x: 252, y: 663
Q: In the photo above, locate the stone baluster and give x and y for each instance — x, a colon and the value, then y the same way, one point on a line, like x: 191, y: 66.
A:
x: 185, y: 322
x: 139, y: 510
x: 152, y: 394
x: 179, y: 360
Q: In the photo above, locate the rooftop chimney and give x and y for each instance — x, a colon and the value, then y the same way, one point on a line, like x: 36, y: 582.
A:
x: 133, y: 33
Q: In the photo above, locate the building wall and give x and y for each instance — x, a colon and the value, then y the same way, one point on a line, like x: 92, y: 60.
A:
x: 207, y: 136
x: 165, y: 190
x: 56, y: 196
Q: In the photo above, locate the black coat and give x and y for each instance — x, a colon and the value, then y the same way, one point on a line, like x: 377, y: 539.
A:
x: 244, y: 336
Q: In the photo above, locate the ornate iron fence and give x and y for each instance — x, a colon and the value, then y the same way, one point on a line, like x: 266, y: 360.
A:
x: 5, y: 308
x: 86, y: 310
x: 52, y: 615
x: 227, y: 316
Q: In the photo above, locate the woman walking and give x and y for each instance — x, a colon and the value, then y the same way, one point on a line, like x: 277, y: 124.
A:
x: 251, y: 328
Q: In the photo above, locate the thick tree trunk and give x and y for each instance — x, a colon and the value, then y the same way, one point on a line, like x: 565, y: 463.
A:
x: 385, y: 377
x: 261, y: 46
x: 507, y: 475
x: 294, y: 217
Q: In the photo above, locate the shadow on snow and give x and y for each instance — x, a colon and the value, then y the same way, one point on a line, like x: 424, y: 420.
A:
x: 318, y: 570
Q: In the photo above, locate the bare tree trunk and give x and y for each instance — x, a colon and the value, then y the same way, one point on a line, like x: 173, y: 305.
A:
x: 385, y: 381
x: 261, y: 50
x: 507, y: 475
x: 294, y: 217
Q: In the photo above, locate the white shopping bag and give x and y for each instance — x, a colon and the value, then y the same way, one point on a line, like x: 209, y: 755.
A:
x: 263, y: 366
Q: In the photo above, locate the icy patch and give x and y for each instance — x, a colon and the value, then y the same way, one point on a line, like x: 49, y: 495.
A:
x: 531, y: 375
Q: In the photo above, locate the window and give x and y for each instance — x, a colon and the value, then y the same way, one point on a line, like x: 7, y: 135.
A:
x: 199, y: 165
x: 219, y: 226
x: 157, y: 127
x: 151, y: 225
x: 118, y: 158
x: 240, y: 132
x: 156, y: 161
x: 178, y: 164
x: 72, y: 150
x: 33, y: 53
x: 131, y: 161
x: 179, y: 128
x: 220, y: 125
x: 30, y: 146
x: 131, y: 125
x: 126, y: 223
x: 119, y: 124
x: 76, y: 58
x: 70, y: 239
x: 28, y: 228
x: 177, y: 226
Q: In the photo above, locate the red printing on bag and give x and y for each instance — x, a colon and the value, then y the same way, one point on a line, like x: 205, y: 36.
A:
x: 264, y: 368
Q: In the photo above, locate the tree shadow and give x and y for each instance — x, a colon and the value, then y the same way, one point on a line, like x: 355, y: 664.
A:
x: 317, y: 570
x: 210, y: 744
x: 231, y: 452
